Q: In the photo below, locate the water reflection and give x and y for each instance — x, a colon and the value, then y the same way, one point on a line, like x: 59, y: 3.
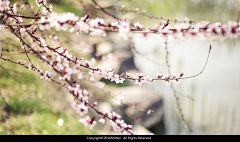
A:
x: 216, y: 91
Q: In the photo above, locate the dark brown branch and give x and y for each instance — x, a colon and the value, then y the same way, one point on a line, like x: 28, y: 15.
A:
x: 103, y: 10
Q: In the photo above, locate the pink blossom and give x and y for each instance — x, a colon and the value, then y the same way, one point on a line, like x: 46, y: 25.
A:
x: 108, y: 75
x: 202, y: 24
x: 101, y: 120
x: 87, y: 121
x: 114, y: 24
x: 51, y: 8
x: 58, y: 67
x: 82, y: 109
x: 44, y: 10
x: 177, y: 81
x: 22, y: 31
x: 124, y: 30
x: 2, y: 27
x: 167, y: 77
x: 116, y: 127
x: 47, y: 76
x: 138, y: 25
x: 149, y: 111
x: 53, y: 19
x: 159, y: 75
x: 84, y: 27
x: 115, y: 115
x: 233, y: 29
x: 84, y: 18
x: 140, y: 75
x: 85, y: 93
x: 96, y: 32
x: 43, y: 42
x: 4, y: 4
x: 96, y: 22
x: 121, y: 80
x: 115, y: 78
x: 39, y: 2
x: 129, y: 75
x: 218, y: 24
x: 19, y: 19
x: 148, y: 79
x: 15, y: 8
x: 139, y: 82
x: 30, y: 66
x: 44, y: 24
x: 87, y: 63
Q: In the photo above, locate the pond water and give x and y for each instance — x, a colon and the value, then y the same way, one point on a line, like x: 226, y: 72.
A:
x: 216, y: 92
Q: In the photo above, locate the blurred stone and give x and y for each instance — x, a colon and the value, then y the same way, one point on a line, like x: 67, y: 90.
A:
x: 104, y: 106
x: 104, y: 48
x: 136, y: 103
x: 127, y: 64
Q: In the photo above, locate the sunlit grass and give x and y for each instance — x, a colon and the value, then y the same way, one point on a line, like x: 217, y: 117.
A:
x: 26, y: 107
x: 43, y: 122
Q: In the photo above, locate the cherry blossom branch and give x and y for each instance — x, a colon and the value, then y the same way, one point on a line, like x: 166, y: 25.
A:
x: 114, y: 120
x: 22, y: 16
x: 143, y: 13
x: 87, y: 66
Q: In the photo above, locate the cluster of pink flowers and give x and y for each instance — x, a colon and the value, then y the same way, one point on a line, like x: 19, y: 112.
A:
x: 88, y: 121
x: 141, y: 79
x: 47, y: 76
x: 138, y: 25
x: 80, y: 94
x: 205, y: 30
x: 62, y: 22
x: 110, y: 75
x: 40, y: 2
x: 81, y: 109
x: 117, y: 124
x: 4, y: 4
x: 124, y: 30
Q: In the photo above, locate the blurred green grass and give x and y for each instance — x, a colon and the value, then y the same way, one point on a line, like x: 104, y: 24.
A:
x: 32, y: 109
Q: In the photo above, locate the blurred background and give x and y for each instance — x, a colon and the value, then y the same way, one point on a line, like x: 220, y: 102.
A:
x: 33, y: 106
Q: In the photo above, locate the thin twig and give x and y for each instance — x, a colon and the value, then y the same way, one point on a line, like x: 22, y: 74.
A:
x: 103, y: 10
x: 203, y: 67
x: 175, y: 92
